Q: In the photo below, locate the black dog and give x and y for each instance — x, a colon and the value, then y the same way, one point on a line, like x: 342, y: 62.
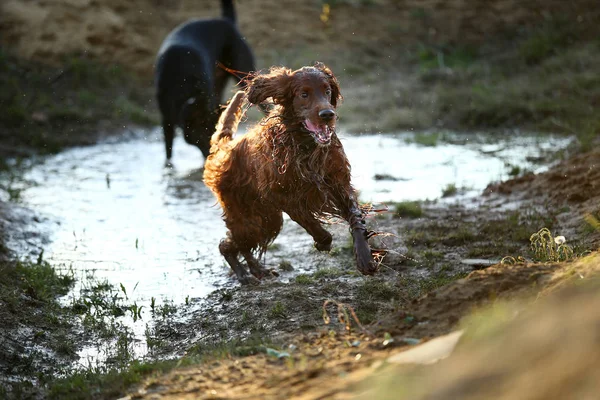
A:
x: 190, y: 78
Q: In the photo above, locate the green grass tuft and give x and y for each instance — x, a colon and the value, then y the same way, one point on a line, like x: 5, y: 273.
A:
x: 450, y: 190
x: 408, y: 209
x: 304, y: 279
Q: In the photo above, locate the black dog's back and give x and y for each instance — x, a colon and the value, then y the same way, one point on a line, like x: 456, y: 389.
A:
x: 189, y: 83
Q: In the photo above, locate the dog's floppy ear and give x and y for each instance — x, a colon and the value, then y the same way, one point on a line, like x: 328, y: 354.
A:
x: 336, y: 95
x: 275, y: 84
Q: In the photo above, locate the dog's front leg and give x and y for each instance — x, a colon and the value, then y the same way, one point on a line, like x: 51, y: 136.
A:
x: 321, y: 237
x: 358, y: 229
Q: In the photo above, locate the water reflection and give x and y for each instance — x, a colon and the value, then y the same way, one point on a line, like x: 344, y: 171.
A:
x: 116, y: 210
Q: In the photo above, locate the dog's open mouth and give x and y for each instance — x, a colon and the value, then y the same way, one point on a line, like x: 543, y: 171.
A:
x: 321, y: 133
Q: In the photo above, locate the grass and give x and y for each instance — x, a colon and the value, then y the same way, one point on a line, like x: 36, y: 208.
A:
x: 304, y: 279
x: 517, y: 226
x: 408, y: 209
x: 450, y: 190
x: 426, y: 139
x: 328, y: 272
x: 416, y: 287
x: 46, y: 108
x: 592, y: 223
x: 490, y: 238
x: 111, y: 383
x: 370, y: 295
x: 29, y: 293
x: 463, y: 235
x: 278, y: 310
x: 445, y: 56
x: 432, y: 255
x: 546, y: 247
x: 554, y: 94
x: 38, y: 281
x: 285, y: 265
x: 546, y: 40
x: 492, y: 249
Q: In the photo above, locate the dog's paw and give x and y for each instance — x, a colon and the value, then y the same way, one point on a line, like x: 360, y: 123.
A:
x: 261, y: 272
x: 272, y: 273
x: 367, y: 267
x: 249, y: 280
x: 362, y: 252
x: 325, y: 244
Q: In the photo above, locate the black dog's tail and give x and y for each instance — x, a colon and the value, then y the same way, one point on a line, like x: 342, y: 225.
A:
x: 228, y: 10
x: 229, y: 120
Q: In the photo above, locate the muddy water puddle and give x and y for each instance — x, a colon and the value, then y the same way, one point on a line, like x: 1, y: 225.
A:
x: 114, y: 211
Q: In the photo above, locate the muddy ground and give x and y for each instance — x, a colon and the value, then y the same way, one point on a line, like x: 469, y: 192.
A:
x: 416, y: 297
x: 83, y: 71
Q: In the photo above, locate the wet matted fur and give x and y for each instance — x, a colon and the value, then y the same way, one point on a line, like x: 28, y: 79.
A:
x: 292, y: 162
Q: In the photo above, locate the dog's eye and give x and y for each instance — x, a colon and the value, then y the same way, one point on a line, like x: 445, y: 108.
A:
x: 328, y: 92
x: 304, y: 95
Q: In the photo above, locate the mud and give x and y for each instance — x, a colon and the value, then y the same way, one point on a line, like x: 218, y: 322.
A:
x: 409, y: 300
x: 154, y: 220
x: 337, y: 364
x: 326, y: 364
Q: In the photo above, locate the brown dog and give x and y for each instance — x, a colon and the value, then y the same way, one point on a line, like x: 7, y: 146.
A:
x: 291, y: 162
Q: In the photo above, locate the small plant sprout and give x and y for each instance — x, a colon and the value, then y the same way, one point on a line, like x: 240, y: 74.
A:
x: 387, y: 339
x: 40, y: 258
x: 450, y: 190
x: 124, y: 291
x: 548, y: 248
x: 345, y: 315
x: 136, y: 311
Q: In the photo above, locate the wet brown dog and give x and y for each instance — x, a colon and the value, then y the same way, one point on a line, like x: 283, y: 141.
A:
x: 291, y: 162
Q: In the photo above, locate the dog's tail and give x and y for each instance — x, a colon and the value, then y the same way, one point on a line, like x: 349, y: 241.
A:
x: 228, y: 10
x: 229, y: 120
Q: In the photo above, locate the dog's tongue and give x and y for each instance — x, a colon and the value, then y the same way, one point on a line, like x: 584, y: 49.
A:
x: 321, y: 133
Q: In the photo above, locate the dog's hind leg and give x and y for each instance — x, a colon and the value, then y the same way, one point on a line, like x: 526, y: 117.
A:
x: 321, y: 237
x: 230, y: 252
x: 256, y: 268
x: 261, y: 230
x: 169, y: 132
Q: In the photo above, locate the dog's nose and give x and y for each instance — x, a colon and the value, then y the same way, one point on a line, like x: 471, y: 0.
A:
x: 326, y: 115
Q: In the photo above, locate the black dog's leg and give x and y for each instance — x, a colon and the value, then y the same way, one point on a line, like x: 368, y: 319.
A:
x: 169, y: 132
